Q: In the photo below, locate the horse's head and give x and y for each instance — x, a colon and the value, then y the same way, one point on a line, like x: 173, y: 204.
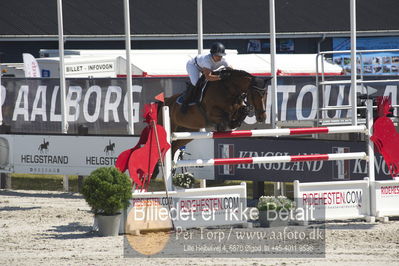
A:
x: 242, y: 84
x: 256, y: 96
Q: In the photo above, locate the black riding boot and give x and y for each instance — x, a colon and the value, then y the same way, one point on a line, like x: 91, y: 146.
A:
x: 189, y: 96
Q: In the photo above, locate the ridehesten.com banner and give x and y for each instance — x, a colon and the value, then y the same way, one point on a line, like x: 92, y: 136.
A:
x: 33, y: 105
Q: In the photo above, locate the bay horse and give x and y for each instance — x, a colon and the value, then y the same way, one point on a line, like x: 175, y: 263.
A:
x: 225, y: 104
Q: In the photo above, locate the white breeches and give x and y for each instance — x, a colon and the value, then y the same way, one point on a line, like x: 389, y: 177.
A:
x: 193, y: 72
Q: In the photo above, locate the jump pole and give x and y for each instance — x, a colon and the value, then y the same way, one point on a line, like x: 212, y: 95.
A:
x: 168, y: 154
x: 269, y: 132
x: 273, y: 159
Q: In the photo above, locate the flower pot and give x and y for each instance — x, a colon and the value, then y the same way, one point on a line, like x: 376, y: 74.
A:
x: 108, y: 225
x: 177, y: 188
x: 271, y: 220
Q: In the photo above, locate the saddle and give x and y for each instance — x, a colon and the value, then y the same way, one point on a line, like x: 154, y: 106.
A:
x: 193, y: 94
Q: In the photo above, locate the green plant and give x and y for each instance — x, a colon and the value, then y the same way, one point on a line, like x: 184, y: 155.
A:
x: 274, y: 203
x: 107, y: 190
x: 184, y: 180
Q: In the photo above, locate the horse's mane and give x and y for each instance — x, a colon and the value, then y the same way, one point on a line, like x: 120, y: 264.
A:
x: 230, y: 72
x: 258, y: 84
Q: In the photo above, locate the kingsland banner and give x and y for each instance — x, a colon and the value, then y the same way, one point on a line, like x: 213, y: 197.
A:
x: 33, y: 105
x: 310, y: 171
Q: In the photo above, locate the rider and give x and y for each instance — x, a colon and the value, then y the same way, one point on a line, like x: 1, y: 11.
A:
x: 204, y: 64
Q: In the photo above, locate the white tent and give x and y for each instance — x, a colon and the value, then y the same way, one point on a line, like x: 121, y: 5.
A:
x: 103, y: 52
x: 172, y: 63
x: 112, y: 63
x: 301, y: 64
x: 256, y: 64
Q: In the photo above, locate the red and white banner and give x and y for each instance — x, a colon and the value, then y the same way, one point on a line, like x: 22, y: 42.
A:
x: 31, y: 67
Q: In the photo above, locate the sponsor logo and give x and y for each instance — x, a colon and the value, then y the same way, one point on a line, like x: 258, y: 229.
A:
x: 44, y: 157
x: 107, y: 160
x: 43, y: 147
x: 341, y: 169
x: 109, y: 149
x: 334, y: 198
x: 226, y: 151
x: 43, y: 161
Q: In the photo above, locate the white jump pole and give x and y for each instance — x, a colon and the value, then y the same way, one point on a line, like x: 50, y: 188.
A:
x: 64, y: 121
x: 273, y: 159
x: 370, y: 152
x: 200, y: 50
x: 272, y: 21
x: 64, y: 117
x: 370, y: 144
x: 353, y: 95
x: 269, y: 132
x: 126, y: 8
x: 168, y: 155
x: 199, y: 27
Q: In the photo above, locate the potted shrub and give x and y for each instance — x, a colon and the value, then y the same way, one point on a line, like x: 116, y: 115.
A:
x: 274, y: 211
x: 183, y: 180
x: 107, y: 191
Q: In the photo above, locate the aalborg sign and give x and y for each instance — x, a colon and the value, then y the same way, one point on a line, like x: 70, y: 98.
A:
x: 65, y: 155
x: 33, y: 105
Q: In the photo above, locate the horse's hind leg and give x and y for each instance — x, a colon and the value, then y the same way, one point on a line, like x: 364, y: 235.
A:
x: 174, y: 147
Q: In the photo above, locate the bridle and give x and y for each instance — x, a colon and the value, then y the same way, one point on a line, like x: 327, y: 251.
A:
x: 244, y: 96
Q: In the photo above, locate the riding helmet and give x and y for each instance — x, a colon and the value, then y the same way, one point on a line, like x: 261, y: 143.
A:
x: 217, y: 48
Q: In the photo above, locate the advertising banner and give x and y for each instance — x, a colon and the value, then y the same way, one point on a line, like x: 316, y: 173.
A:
x: 62, y: 155
x: 386, y: 198
x: 189, y: 208
x: 31, y: 67
x: 287, y: 172
x: 33, y: 105
x: 381, y: 63
x: 333, y: 200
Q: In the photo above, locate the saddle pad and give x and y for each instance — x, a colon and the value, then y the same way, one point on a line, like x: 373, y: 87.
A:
x: 180, y: 100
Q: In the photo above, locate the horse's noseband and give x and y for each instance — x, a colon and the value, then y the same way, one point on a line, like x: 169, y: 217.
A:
x: 242, y: 97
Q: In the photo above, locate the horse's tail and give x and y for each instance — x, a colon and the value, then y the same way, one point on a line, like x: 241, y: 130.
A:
x: 160, y: 105
x: 159, y: 110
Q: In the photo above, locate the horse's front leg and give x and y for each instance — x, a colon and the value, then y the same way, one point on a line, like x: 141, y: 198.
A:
x: 221, y: 127
x: 238, y: 116
x: 220, y: 118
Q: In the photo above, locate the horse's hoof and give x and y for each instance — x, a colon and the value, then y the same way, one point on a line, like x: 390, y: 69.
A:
x: 220, y: 128
x: 234, y: 124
